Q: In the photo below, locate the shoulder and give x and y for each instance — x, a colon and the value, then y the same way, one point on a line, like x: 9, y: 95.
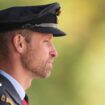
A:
x: 8, y: 90
x: 4, y: 97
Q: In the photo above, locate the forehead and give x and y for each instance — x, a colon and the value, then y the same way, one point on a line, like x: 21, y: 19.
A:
x: 38, y: 35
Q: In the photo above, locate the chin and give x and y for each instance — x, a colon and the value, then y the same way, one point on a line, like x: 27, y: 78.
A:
x: 41, y: 75
x: 46, y: 74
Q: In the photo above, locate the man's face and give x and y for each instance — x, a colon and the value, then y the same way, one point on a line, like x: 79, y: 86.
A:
x: 39, y: 55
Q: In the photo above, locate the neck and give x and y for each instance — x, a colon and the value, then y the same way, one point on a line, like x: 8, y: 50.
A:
x: 22, y: 78
x: 18, y: 73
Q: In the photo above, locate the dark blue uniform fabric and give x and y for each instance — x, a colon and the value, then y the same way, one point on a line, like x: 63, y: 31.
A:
x: 8, y: 95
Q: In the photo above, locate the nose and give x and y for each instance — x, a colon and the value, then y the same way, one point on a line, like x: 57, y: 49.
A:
x: 53, y: 52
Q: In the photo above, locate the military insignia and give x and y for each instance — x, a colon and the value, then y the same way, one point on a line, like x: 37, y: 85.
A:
x: 9, y: 101
x: 3, y: 98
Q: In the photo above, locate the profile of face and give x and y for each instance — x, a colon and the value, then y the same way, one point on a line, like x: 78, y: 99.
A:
x: 39, y: 55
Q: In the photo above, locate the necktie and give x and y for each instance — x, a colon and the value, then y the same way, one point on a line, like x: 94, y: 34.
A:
x: 25, y: 100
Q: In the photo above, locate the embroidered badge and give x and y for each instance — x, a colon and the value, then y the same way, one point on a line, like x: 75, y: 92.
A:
x: 9, y: 101
x: 3, y: 98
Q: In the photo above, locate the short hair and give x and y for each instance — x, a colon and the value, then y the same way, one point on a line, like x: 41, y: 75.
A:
x: 6, y: 39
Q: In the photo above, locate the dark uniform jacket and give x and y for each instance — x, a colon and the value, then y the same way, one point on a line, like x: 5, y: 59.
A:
x: 8, y: 94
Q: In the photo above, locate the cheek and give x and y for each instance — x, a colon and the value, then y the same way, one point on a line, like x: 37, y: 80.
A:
x: 40, y: 54
x: 43, y: 51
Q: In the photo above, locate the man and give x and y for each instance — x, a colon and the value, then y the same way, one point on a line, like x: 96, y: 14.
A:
x: 26, y: 49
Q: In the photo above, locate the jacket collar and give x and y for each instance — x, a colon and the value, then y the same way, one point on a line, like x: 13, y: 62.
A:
x: 10, y: 89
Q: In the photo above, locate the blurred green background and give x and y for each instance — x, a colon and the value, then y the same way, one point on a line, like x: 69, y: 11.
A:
x: 78, y: 75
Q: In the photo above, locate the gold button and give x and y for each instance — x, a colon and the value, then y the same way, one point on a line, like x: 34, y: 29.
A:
x: 0, y: 84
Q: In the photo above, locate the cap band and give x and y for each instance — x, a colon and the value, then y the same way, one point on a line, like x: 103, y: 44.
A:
x: 53, y: 25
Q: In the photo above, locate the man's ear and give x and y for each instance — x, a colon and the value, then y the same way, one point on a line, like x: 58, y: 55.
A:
x: 19, y: 43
